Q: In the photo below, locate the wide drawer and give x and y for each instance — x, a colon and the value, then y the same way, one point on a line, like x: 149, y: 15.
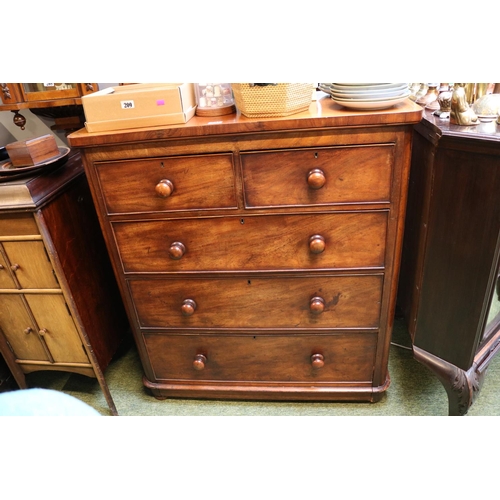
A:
x: 168, y: 184
x: 323, y: 176
x: 18, y: 225
x: 273, y: 242
x: 257, y: 302
x: 340, y: 358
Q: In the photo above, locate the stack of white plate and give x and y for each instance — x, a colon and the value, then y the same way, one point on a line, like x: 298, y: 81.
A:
x: 367, y: 96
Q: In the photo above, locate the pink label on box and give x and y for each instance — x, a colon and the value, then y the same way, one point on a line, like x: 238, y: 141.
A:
x: 160, y: 102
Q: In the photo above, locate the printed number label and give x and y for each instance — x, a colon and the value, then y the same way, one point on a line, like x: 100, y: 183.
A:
x: 127, y: 104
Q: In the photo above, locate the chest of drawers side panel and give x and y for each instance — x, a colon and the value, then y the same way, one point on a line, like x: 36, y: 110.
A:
x: 394, y: 245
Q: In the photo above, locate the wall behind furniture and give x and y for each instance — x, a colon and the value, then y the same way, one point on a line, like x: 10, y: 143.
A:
x: 35, y: 126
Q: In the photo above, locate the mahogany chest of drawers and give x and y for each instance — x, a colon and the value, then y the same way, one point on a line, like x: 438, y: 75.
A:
x: 258, y: 259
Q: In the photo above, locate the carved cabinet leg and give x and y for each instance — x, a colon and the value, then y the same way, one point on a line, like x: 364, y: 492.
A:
x: 461, y: 386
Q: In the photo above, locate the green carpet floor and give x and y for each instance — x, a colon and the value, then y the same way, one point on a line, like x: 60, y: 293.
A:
x: 414, y: 391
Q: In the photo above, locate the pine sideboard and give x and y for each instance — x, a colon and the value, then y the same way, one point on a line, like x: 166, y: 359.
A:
x: 60, y: 307
x: 258, y: 258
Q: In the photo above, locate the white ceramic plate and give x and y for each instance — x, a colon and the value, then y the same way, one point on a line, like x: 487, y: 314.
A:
x: 370, y: 95
x: 363, y: 90
x: 324, y: 87
x: 366, y: 86
x: 370, y: 105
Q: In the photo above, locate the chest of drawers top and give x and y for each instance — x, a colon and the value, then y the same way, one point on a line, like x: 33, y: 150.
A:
x: 322, y: 114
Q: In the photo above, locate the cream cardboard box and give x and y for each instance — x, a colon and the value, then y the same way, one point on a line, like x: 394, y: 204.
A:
x: 139, y: 105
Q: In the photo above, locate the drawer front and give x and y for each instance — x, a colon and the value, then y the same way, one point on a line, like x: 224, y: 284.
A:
x: 168, y: 184
x: 281, y: 242
x: 31, y: 264
x: 357, y: 174
x: 256, y: 302
x: 345, y: 357
x: 18, y: 225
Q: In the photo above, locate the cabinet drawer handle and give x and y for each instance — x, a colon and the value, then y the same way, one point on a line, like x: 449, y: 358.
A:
x: 316, y: 178
x: 317, y: 361
x: 42, y: 332
x: 1, y: 267
x: 199, y: 362
x: 177, y: 250
x: 28, y: 330
x: 317, y: 305
x: 15, y: 267
x: 188, y: 307
x: 317, y: 244
x: 164, y: 188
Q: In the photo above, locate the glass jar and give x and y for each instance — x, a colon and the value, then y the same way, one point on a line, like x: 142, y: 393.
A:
x: 214, y: 99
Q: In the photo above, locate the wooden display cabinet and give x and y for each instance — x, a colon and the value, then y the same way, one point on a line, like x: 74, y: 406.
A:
x: 60, y: 101
x: 448, y: 291
x: 60, y: 307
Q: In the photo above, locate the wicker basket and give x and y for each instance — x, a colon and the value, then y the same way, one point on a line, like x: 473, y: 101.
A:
x: 259, y: 100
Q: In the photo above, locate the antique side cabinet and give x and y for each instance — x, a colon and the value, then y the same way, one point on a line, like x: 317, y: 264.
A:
x: 60, y: 307
x: 449, y: 291
x: 258, y: 259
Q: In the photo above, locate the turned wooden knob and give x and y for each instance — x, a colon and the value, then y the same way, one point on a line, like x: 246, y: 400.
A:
x: 317, y: 243
x: 1, y: 267
x: 317, y: 361
x: 188, y: 307
x: 177, y: 250
x: 15, y: 267
x: 42, y: 332
x: 317, y: 305
x: 28, y: 330
x: 164, y: 188
x: 199, y: 362
x: 316, y: 178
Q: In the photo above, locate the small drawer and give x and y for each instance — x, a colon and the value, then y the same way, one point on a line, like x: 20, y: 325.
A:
x: 323, y: 176
x: 254, y: 243
x: 18, y: 225
x: 168, y: 184
x: 303, y: 302
x: 340, y: 358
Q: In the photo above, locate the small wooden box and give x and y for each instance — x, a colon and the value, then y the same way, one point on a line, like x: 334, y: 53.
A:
x: 32, y: 151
